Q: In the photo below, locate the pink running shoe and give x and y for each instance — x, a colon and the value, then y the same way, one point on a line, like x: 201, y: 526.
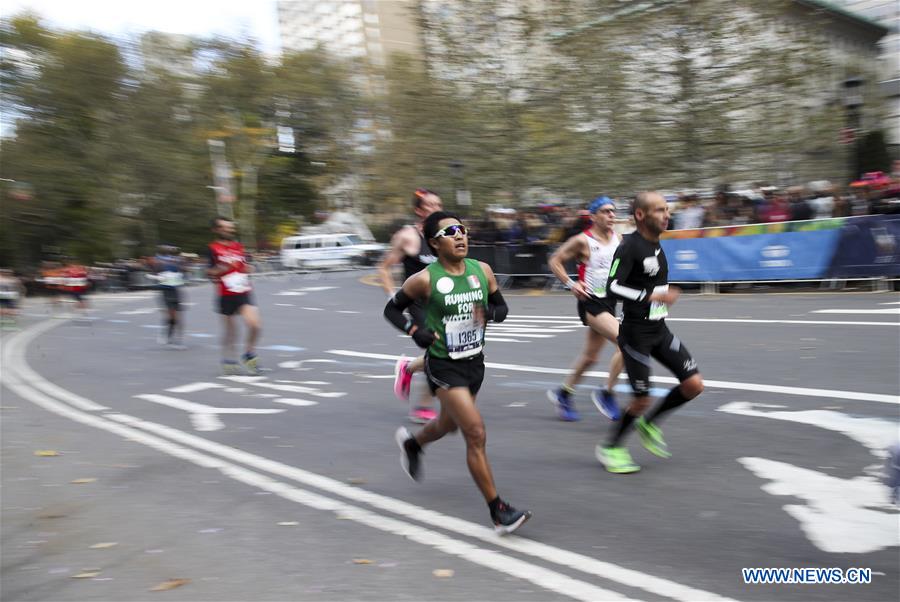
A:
x: 402, y: 378
x: 422, y: 415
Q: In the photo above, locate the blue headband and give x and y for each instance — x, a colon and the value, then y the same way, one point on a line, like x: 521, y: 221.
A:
x: 599, y: 202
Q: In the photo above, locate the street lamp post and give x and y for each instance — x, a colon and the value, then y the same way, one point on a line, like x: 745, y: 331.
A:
x: 853, y: 103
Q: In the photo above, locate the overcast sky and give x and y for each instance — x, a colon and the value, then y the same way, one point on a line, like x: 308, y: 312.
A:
x: 233, y: 18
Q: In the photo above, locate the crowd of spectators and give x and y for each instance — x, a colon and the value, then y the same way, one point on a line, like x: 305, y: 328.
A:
x: 764, y: 204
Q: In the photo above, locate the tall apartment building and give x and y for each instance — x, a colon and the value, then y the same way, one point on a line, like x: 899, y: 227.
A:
x: 371, y: 29
x: 887, y: 13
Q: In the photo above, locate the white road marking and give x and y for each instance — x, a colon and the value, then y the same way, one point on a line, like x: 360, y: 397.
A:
x: 570, y: 321
x: 841, y: 516
x: 298, y: 389
x: 138, y: 312
x: 347, y: 311
x: 553, y: 581
x: 890, y: 303
x: 295, y: 402
x: 313, y: 289
x: 203, y: 417
x: 314, y: 308
x: 282, y: 348
x: 194, y: 387
x: 285, y: 304
x: 520, y: 333
x: 818, y: 322
x: 720, y: 384
x: 298, y: 364
x: 289, y: 294
x: 875, y: 434
x: 886, y: 310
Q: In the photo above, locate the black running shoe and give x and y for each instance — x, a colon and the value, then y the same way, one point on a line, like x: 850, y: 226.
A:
x: 507, y: 519
x: 409, y: 457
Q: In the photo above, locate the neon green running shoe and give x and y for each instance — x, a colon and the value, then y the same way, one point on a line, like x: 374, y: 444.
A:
x: 616, y: 459
x: 651, y: 437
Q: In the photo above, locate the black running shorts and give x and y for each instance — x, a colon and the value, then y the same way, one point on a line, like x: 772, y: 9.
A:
x: 231, y: 304
x: 447, y: 373
x: 644, y: 340
x: 595, y: 307
x: 171, y: 297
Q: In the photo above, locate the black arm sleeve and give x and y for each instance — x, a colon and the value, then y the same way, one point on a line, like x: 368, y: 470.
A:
x: 623, y: 260
x: 497, y: 308
x: 393, y: 311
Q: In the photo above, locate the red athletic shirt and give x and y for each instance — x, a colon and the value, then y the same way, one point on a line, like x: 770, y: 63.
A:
x: 76, y: 279
x: 235, y: 281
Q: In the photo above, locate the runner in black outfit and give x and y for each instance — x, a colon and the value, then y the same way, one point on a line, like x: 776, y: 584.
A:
x: 640, y: 276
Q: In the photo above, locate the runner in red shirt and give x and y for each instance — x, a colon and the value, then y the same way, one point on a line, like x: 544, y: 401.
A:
x: 75, y: 283
x: 229, y: 269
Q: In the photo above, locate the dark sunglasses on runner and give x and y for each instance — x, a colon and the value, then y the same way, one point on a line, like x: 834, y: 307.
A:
x: 451, y: 231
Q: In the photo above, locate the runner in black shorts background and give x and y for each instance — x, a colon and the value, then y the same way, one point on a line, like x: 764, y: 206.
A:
x: 639, y: 275
x: 409, y: 248
x: 593, y: 249
x: 229, y: 269
x: 168, y: 267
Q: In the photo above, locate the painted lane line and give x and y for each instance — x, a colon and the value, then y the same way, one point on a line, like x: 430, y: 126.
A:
x: 519, y: 333
x: 203, y: 417
x: 886, y: 310
x: 138, y: 312
x: 26, y: 374
x: 722, y: 320
x: 586, y: 564
x: 296, y: 402
x: 194, y: 387
x: 839, y: 516
x: 719, y: 384
x: 629, y: 577
x: 298, y: 389
x: 875, y: 434
x: 542, y: 577
x: 200, y: 408
x: 817, y: 322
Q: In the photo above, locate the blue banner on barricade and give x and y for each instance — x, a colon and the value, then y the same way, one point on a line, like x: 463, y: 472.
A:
x: 776, y: 256
x: 869, y: 246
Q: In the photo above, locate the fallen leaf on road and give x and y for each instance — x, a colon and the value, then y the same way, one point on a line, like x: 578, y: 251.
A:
x: 86, y: 575
x: 104, y: 544
x: 442, y: 573
x: 288, y: 523
x: 361, y: 561
x: 83, y: 481
x: 46, y: 453
x: 356, y: 481
x: 170, y: 584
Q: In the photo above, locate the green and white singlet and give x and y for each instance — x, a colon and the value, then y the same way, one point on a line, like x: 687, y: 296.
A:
x: 449, y: 312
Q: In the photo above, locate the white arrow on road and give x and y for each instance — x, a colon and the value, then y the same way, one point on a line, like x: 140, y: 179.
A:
x: 203, y: 417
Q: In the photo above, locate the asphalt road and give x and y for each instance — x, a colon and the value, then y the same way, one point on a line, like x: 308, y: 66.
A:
x: 288, y: 486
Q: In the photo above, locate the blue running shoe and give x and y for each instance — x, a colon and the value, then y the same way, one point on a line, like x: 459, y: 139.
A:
x: 565, y: 407
x: 606, y: 403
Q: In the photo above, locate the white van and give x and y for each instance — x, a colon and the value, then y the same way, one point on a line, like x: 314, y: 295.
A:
x: 328, y: 250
